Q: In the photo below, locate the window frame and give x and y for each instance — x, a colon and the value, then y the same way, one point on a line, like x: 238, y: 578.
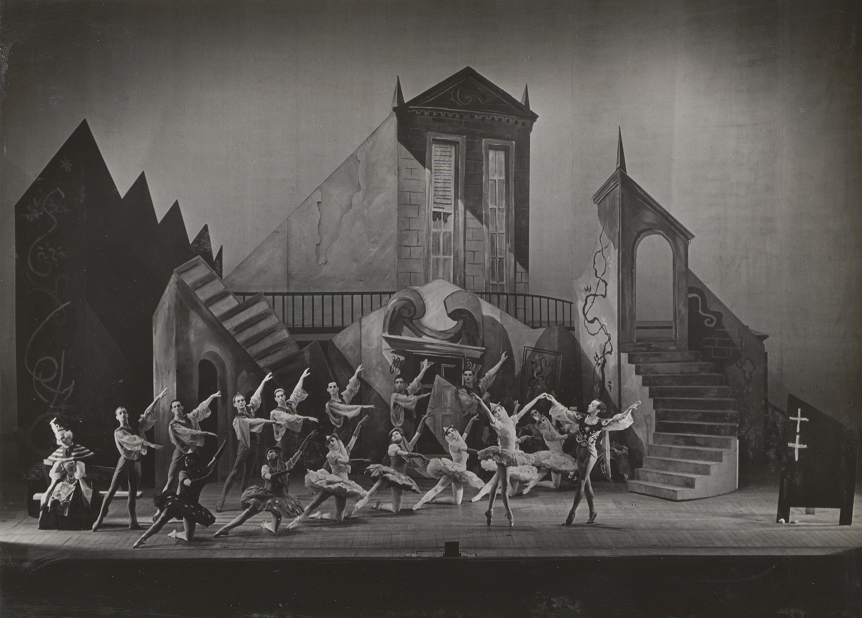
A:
x: 509, y: 147
x: 460, y: 141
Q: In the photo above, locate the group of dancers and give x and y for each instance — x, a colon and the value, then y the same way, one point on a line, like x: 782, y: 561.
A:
x: 188, y: 473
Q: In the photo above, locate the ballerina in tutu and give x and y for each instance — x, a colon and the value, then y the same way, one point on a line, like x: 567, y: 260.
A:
x: 525, y: 473
x: 185, y: 504
x: 68, y: 503
x: 553, y: 460
x: 505, y: 455
x: 333, y: 482
x: 273, y: 496
x: 394, y: 476
x: 590, y: 427
x: 452, y: 471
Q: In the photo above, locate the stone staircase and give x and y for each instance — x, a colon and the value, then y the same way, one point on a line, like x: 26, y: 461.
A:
x: 253, y: 323
x: 693, y: 452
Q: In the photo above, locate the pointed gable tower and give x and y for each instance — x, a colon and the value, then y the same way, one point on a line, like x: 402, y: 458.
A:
x: 464, y: 185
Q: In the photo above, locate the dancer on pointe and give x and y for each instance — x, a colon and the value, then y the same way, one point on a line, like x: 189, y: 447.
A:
x: 273, y: 496
x: 523, y: 473
x: 590, y: 427
x: 247, y: 429
x: 452, y: 471
x: 132, y: 446
x: 505, y: 455
x: 394, y: 476
x: 185, y: 504
x: 552, y: 460
x: 334, y: 482
x: 339, y: 407
x: 287, y: 421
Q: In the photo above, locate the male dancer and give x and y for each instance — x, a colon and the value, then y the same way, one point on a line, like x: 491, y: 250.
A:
x: 469, y: 406
x: 185, y: 433
x: 131, y: 446
x: 339, y: 408
x: 405, y: 398
x: 285, y: 416
x: 245, y: 424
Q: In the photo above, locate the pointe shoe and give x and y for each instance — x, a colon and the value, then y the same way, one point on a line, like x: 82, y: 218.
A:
x: 592, y: 518
x: 221, y: 532
x: 488, y: 516
x: 97, y: 525
x: 220, y: 507
x: 291, y: 525
x: 417, y: 506
x: 511, y: 519
x: 138, y: 543
x: 570, y: 519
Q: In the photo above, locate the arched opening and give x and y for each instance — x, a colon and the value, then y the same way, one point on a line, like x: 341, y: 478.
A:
x: 208, y: 383
x: 654, y: 298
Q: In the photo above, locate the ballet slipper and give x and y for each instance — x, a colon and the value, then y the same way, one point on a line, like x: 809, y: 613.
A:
x: 488, y: 516
x: 592, y: 518
x: 511, y: 519
x: 570, y: 519
x: 221, y: 532
x: 138, y: 543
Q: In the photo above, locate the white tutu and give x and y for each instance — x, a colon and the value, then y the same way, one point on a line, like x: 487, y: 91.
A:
x: 321, y: 480
x: 564, y: 464
x: 439, y: 468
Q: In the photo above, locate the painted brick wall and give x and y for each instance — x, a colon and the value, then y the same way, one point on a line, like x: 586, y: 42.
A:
x: 413, y: 129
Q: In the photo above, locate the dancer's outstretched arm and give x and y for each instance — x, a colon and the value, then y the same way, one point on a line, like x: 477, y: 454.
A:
x: 469, y: 426
x: 355, y: 436
x: 255, y: 401
x: 292, y: 461
x: 526, y: 408
x: 419, y: 427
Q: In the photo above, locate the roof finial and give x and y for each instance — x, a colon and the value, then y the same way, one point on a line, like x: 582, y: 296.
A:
x: 525, y: 98
x: 398, y: 97
x: 621, y: 156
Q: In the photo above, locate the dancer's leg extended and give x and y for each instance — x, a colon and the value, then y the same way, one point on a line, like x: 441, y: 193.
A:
x: 239, y: 467
x: 586, y: 461
x: 319, y: 499
x: 432, y: 493
x: 487, y: 487
x: 363, y: 501
x: 115, y: 484
x: 237, y: 521
x: 395, y: 505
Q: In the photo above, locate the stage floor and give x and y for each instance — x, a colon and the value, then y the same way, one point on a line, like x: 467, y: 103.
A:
x: 628, y: 526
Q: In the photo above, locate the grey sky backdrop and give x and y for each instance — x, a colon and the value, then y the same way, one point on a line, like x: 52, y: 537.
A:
x: 741, y: 118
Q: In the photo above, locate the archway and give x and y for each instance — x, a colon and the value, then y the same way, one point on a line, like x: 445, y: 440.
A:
x: 209, y: 383
x: 654, y: 290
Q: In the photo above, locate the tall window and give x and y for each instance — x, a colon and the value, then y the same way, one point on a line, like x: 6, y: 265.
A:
x: 443, y: 201
x: 497, y: 224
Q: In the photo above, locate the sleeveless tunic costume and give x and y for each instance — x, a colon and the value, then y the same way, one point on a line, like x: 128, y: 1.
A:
x: 335, y: 482
x: 455, y: 468
x: 395, y: 475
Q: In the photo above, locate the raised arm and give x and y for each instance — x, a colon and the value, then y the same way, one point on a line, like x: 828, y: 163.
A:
x: 488, y: 379
x: 152, y: 406
x: 416, y: 384
x: 526, y: 408
x: 419, y: 427
x: 469, y: 426
x: 355, y: 435
x: 256, y: 399
x: 487, y: 410
x: 292, y: 461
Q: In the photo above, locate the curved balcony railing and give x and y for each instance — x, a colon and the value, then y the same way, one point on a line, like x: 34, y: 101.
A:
x: 331, y: 312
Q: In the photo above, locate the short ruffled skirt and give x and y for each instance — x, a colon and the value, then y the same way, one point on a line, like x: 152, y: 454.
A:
x: 178, y: 508
x: 505, y: 457
x: 263, y: 500
x: 392, y: 476
x: 522, y: 474
x: 321, y: 480
x: 438, y: 468
x: 555, y: 462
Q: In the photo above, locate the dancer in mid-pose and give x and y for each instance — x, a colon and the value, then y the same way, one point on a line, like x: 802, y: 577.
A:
x: 185, y: 504
x: 404, y: 400
x: 273, y: 496
x: 287, y: 421
x: 247, y: 429
x: 590, y: 427
x: 338, y: 407
x: 186, y: 435
x: 505, y: 455
x: 452, y: 471
x: 132, y: 446
x: 68, y: 502
x: 333, y: 483
x: 552, y: 460
x: 394, y: 475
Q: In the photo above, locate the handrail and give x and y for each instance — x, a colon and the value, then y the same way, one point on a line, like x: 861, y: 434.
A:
x: 331, y: 312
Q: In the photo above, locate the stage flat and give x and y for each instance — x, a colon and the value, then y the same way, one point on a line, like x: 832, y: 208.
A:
x: 628, y: 526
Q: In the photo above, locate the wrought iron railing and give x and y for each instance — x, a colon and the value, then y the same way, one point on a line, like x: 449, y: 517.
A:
x: 331, y: 312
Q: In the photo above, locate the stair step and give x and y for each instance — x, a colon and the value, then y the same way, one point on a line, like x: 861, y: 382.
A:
x: 699, y: 416
x: 182, y: 268
x: 699, y: 428
x: 260, y: 335
x: 281, y: 345
x: 681, y: 466
x: 696, y: 453
x: 203, y: 280
x: 674, y: 479
x: 271, y: 340
x: 657, y: 490
x: 683, y: 379
x: 669, y: 356
x: 671, y: 438
x: 684, y: 367
x: 656, y: 392
x: 695, y: 403
x: 212, y: 300
x: 233, y: 311
x: 256, y: 319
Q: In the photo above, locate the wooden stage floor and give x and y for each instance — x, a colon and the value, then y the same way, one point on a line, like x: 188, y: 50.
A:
x: 628, y: 526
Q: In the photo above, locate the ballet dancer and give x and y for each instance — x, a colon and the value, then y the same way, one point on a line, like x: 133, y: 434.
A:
x: 590, y: 427
x: 287, y: 421
x: 338, y: 407
x: 394, y: 476
x: 333, y: 482
x: 404, y: 398
x: 552, y: 460
x: 186, y: 435
x: 273, y: 496
x: 452, y: 471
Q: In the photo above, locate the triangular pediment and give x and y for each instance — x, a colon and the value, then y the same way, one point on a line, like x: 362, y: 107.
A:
x: 467, y: 91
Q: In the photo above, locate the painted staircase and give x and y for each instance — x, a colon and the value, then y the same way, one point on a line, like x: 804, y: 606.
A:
x: 694, y: 450
x: 253, y: 323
